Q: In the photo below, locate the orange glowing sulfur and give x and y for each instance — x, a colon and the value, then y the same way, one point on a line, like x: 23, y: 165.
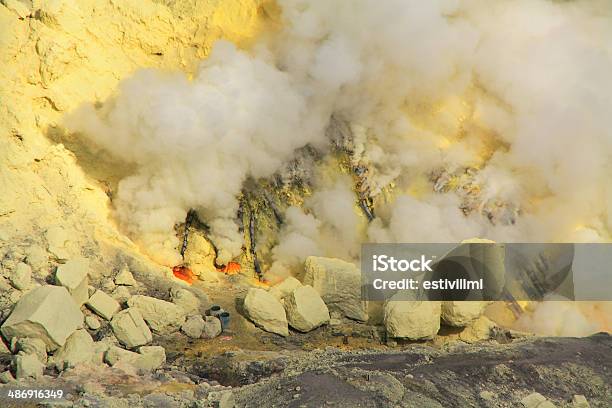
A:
x: 231, y: 268
x: 183, y: 273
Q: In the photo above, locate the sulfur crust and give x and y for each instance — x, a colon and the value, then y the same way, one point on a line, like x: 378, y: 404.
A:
x: 65, y: 53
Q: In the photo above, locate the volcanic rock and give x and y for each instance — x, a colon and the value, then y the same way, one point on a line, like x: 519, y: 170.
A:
x: 266, y: 311
x: 163, y: 317
x: 46, y: 312
x: 130, y: 328
x: 284, y: 288
x: 305, y: 309
x: 193, y: 326
x: 125, y: 277
x: 460, y: 314
x: 104, y: 305
x: 414, y: 320
x: 73, y: 276
x: 78, y: 349
x: 21, y: 276
x: 28, y: 366
x: 212, y: 327
x: 339, y: 284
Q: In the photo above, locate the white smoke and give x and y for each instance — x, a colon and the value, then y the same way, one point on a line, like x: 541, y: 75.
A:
x: 520, y: 89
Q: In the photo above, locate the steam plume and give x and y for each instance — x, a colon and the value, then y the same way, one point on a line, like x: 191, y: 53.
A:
x: 519, y: 90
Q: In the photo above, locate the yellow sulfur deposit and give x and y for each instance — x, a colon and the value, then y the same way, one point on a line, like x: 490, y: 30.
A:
x: 58, y: 54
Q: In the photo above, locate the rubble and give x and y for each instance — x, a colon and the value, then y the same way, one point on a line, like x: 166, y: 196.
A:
x: 193, y: 326
x: 147, y: 359
x: 46, y: 312
x: 266, y: 311
x: 125, y: 277
x: 161, y: 316
x: 150, y: 358
x: 73, y: 276
x: 104, y: 305
x: 121, y: 294
x: 29, y: 345
x: 414, y: 320
x: 130, y: 328
x: 116, y: 354
x: 305, y: 309
x: 281, y: 290
x: 78, y: 349
x: 212, y: 327
x: 28, y: 366
x: 37, y: 258
x: 460, y: 314
x: 92, y: 322
x: 478, y: 330
x: 21, y: 276
x: 339, y: 284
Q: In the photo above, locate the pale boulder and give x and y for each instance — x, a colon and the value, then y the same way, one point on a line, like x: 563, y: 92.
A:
x: 339, y: 284
x: 185, y: 299
x: 281, y: 290
x: 163, y: 317
x: 193, y: 326
x: 116, y: 354
x: 28, y: 366
x: 130, y: 328
x: 461, y: 314
x: 78, y: 350
x: 104, y: 305
x: 150, y: 358
x: 266, y: 311
x: 212, y: 327
x: 46, y: 312
x: 28, y: 345
x: 73, y: 276
x: 305, y: 309
x: 414, y: 320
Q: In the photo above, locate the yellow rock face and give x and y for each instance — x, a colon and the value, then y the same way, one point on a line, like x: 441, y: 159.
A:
x: 59, y: 54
